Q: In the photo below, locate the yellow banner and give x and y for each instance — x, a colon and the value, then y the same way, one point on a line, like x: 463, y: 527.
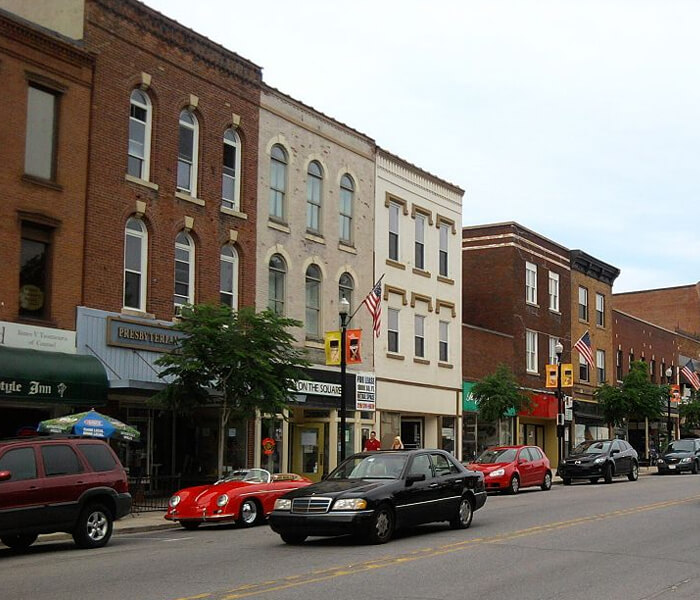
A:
x: 567, y: 375
x: 332, y: 344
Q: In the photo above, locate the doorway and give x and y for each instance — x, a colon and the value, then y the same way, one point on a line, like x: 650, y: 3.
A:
x: 412, y: 433
x: 533, y: 435
x: 309, y: 457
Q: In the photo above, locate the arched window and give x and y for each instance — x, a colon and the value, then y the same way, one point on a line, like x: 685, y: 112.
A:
x: 313, y: 301
x: 135, y: 264
x: 276, y: 284
x: 138, y: 164
x: 346, y: 286
x: 229, y: 276
x: 187, y: 153
x: 278, y: 181
x: 184, y: 270
x: 231, y: 183
x: 347, y: 196
x: 314, y: 188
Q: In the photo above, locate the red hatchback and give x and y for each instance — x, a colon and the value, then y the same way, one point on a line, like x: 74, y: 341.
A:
x: 509, y: 468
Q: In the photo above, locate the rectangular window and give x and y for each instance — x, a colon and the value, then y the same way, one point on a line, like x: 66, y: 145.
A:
x: 582, y: 303
x: 554, y: 291
x: 34, y: 272
x: 394, y: 212
x: 652, y: 371
x: 419, y: 336
x: 531, y: 351
x: 530, y: 283
x: 444, y: 239
x: 618, y: 365
x: 600, y: 310
x: 393, y: 329
x: 552, y: 351
x: 582, y: 368
x: 420, y: 242
x: 41, y: 135
x: 444, y: 347
x: 600, y: 363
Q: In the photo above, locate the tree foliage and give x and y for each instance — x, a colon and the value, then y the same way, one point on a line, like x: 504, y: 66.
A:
x: 690, y: 412
x: 243, y: 360
x: 637, y: 397
x: 497, y: 393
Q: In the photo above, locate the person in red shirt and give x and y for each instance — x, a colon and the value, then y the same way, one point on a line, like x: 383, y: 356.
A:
x: 372, y: 442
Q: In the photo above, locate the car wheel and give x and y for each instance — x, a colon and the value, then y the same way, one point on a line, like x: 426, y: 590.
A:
x: 634, y: 473
x: 190, y: 525
x: 514, y: 485
x: 608, y: 473
x: 566, y: 480
x: 465, y: 513
x: 249, y: 513
x: 94, y: 527
x: 593, y: 480
x: 293, y: 539
x: 382, y: 526
x: 19, y: 541
x: 695, y: 469
x: 547, y: 483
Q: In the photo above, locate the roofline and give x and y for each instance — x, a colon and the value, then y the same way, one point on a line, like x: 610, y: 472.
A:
x: 519, y: 226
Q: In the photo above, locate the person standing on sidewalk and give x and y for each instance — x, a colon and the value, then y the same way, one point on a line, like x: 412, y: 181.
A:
x: 372, y: 444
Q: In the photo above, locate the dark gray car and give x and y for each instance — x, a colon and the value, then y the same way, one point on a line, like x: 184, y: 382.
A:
x: 596, y: 459
x: 679, y: 456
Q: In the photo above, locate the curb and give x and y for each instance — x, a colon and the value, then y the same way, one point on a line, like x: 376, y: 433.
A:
x: 58, y: 537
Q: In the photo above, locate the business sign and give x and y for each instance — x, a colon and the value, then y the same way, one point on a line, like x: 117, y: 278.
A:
x: 141, y: 336
x: 17, y: 335
x: 320, y: 388
x: 365, y: 391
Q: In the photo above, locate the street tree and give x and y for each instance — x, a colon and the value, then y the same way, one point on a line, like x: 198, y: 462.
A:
x: 689, y: 412
x: 636, y: 398
x: 497, y: 393
x: 242, y: 360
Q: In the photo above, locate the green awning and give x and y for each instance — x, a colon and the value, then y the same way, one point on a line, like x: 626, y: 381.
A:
x: 470, y: 405
x: 56, y: 377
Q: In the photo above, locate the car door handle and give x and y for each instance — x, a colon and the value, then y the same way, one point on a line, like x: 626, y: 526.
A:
x: 433, y: 485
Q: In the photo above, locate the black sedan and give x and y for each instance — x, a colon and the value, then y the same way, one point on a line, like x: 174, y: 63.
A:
x: 680, y: 455
x: 371, y: 494
x: 600, y: 458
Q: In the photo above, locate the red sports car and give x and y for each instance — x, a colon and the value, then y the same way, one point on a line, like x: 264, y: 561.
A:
x: 245, y: 496
x: 510, y: 468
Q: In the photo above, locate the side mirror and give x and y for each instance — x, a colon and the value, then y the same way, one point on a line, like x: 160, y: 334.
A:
x: 411, y: 478
x: 5, y: 475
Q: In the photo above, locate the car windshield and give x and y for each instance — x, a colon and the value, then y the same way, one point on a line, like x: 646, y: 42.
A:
x: 377, y: 466
x: 496, y: 455
x: 592, y: 447
x: 680, y: 446
x: 247, y: 475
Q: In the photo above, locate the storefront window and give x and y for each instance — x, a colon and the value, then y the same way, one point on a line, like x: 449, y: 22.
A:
x: 236, y: 442
x: 349, y: 439
x: 469, y: 438
x: 448, y: 434
x: 271, y: 435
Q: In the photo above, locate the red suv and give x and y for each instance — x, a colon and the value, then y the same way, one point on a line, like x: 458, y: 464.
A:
x: 52, y: 484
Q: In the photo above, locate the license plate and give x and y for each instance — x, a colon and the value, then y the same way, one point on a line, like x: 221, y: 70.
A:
x: 671, y: 466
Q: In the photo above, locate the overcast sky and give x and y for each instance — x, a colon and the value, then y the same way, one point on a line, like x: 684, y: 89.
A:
x: 578, y: 119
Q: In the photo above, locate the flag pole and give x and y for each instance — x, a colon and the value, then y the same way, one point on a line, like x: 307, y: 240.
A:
x: 374, y: 286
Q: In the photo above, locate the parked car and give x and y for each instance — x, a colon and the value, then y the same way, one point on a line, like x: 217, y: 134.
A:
x: 679, y: 456
x: 510, y: 468
x: 594, y: 459
x: 60, y: 483
x: 245, y: 496
x: 371, y: 494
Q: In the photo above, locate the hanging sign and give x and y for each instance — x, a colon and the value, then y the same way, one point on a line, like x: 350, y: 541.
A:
x: 332, y: 345
x: 268, y: 445
x: 353, y: 337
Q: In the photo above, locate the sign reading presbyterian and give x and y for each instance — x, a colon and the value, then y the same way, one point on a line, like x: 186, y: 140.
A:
x: 141, y: 336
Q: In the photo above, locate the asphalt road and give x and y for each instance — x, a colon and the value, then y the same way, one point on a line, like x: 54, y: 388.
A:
x: 623, y: 541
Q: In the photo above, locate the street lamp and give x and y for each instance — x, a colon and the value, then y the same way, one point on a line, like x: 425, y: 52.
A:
x: 343, y: 309
x: 669, y: 374
x: 559, y: 349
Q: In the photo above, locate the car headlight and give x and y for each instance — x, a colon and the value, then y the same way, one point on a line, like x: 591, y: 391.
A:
x: 282, y: 504
x: 174, y: 501
x: 350, y: 504
x: 497, y: 473
x: 687, y: 459
x: 599, y: 461
x: 660, y: 461
x: 222, y: 500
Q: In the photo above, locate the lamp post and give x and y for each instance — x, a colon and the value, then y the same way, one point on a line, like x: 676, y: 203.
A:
x: 559, y: 349
x: 669, y: 374
x: 343, y: 309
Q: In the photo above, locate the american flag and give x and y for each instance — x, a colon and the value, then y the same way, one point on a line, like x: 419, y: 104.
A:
x: 373, y: 302
x: 584, y: 347
x: 691, y: 375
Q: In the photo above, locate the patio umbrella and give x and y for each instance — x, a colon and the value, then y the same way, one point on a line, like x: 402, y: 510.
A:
x: 91, y: 424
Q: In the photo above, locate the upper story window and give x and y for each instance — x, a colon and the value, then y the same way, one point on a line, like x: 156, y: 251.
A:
x: 582, y: 368
x: 600, y: 364
x: 34, y: 269
x: 314, y: 188
x: 347, y: 196
x: 554, y: 291
x: 184, y: 270
x: 138, y: 163
x: 392, y: 329
x: 531, y: 351
x: 419, y: 335
x: 582, y: 303
x: 187, y: 153
x: 394, y: 212
x: 420, y: 242
x: 618, y: 365
x: 530, y: 283
x: 278, y: 181
x: 313, y: 301
x: 444, y: 267
x: 230, y: 177
x: 135, y: 264
x: 552, y: 358
x: 42, y: 133
x: 277, y: 279
x: 444, y: 350
x: 600, y: 310
x: 229, y: 276
x: 346, y: 286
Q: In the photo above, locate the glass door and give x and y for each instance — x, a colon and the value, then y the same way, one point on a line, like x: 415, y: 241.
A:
x: 309, y: 443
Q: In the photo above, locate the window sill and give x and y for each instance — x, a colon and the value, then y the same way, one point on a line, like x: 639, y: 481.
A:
x: 312, y: 237
x: 141, y: 182
x: 395, y: 356
x: 537, y: 373
x: 278, y: 226
x: 187, y: 198
x: 37, y: 321
x: 421, y: 272
x: 234, y: 213
x: 420, y: 361
x: 555, y: 311
x: 533, y: 304
x: 444, y: 365
x: 47, y: 183
x: 313, y: 343
x: 346, y: 248
x: 396, y: 264
x: 132, y: 312
x: 447, y: 280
